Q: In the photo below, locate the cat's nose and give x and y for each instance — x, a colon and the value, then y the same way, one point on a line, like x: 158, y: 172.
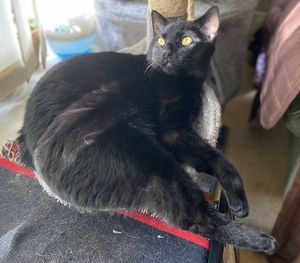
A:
x: 168, y: 52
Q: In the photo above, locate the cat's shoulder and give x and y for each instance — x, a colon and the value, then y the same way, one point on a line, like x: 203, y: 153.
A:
x: 102, y: 61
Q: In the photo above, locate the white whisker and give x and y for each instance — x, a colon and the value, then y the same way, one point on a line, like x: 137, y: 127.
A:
x: 150, y: 69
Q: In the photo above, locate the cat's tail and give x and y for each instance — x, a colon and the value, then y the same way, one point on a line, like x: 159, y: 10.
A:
x: 228, y: 231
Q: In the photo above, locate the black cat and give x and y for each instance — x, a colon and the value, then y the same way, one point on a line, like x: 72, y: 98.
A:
x: 111, y: 131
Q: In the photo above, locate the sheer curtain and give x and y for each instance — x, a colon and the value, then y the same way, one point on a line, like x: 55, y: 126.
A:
x: 18, y: 44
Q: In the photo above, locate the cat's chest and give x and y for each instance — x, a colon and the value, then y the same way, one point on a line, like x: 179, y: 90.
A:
x: 178, y: 107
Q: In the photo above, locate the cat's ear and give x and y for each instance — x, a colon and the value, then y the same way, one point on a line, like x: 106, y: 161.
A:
x: 158, y: 22
x: 209, y: 23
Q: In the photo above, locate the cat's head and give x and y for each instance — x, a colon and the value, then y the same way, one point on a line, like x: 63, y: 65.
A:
x: 183, y: 47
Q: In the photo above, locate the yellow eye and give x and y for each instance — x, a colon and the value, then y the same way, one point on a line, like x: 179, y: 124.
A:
x: 186, y: 41
x: 161, y: 41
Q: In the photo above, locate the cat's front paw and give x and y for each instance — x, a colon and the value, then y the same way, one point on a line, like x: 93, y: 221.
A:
x: 238, y: 205
x: 242, y: 210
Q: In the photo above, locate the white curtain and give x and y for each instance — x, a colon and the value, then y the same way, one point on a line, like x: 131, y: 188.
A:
x: 18, y: 44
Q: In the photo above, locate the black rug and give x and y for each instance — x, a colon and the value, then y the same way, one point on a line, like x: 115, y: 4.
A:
x: 35, y: 228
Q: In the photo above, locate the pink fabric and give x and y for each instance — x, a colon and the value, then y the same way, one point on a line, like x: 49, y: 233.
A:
x: 282, y: 79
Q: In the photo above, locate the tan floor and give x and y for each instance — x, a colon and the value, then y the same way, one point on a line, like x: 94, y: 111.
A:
x: 260, y: 155
x: 261, y: 159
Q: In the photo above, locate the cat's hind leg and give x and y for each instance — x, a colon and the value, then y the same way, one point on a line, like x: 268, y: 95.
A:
x: 126, y: 169
x: 170, y: 193
x: 217, y: 227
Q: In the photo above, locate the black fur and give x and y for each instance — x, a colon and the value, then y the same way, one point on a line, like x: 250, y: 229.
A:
x: 111, y: 131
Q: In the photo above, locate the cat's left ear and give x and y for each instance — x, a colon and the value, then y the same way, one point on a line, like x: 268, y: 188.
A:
x: 158, y: 22
x: 209, y: 23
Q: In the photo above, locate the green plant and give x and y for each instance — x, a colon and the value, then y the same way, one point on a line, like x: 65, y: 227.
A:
x: 32, y: 23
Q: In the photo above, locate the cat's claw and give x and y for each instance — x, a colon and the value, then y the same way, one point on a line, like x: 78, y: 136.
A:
x: 238, y: 205
x: 240, y: 212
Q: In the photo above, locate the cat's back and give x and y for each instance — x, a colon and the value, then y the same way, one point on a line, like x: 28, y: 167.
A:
x: 71, y: 79
x: 74, y: 77
x: 78, y: 75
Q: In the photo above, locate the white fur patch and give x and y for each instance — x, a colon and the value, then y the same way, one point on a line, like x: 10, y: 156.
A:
x: 46, y: 187
x: 208, y: 123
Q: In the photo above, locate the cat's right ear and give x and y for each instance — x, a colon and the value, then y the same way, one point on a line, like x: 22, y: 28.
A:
x: 158, y: 22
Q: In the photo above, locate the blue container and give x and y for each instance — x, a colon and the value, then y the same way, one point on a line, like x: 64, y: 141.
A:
x: 69, y: 48
x: 72, y: 37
